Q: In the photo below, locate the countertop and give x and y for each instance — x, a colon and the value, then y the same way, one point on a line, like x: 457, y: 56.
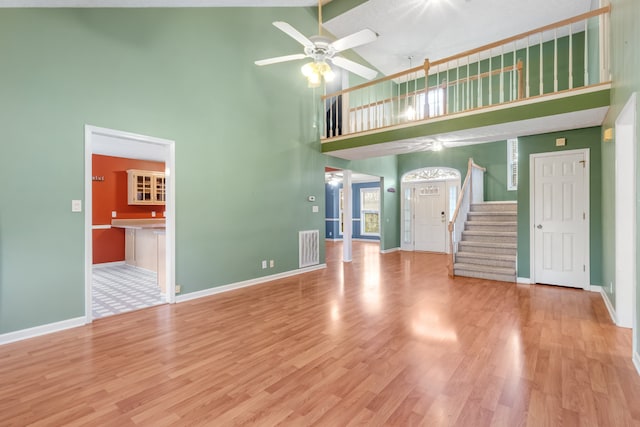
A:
x: 139, y: 223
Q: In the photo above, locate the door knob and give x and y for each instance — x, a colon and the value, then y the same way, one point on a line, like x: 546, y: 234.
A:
x: 539, y: 226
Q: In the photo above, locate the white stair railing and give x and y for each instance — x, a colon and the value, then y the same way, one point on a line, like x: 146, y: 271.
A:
x: 472, y: 192
x: 567, y: 55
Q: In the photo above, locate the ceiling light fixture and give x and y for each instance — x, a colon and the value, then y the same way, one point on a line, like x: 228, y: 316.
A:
x: 316, y: 72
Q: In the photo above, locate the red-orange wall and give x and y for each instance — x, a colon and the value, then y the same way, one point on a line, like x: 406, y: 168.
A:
x: 111, y: 195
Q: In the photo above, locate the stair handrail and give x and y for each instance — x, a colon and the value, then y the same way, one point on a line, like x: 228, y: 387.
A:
x: 472, y: 191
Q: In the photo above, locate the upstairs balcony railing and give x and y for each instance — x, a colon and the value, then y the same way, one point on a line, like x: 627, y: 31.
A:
x: 564, y: 56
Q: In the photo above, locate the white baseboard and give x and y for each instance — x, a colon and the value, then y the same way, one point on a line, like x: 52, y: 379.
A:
x: 333, y: 240
x: 36, y: 331
x: 636, y: 362
x: 607, y: 303
x: 523, y: 280
x: 388, y: 251
x: 595, y: 288
x: 108, y: 264
x: 246, y: 283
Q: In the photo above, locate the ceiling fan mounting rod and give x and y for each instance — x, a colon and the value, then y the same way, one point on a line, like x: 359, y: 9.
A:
x: 319, y: 17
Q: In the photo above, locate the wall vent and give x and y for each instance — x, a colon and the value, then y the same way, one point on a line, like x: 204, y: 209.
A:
x: 309, y: 247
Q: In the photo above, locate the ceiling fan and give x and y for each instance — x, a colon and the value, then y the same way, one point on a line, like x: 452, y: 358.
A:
x: 323, y: 50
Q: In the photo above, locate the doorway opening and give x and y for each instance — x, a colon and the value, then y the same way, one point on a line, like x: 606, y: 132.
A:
x: 129, y: 222
x: 429, y: 197
x: 353, y: 212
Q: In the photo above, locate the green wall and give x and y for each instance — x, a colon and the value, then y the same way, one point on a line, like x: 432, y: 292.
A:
x: 247, y: 150
x: 492, y: 156
x: 581, y: 138
x: 625, y: 63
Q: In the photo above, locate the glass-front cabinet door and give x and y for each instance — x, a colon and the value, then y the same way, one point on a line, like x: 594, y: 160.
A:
x: 146, y: 187
x: 160, y: 190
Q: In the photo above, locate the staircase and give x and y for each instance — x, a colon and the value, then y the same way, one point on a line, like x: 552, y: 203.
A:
x: 488, y: 246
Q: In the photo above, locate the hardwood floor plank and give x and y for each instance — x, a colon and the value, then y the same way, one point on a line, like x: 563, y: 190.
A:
x: 384, y: 340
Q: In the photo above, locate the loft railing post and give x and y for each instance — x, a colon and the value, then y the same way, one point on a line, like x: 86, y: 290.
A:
x: 520, y: 80
x: 426, y: 67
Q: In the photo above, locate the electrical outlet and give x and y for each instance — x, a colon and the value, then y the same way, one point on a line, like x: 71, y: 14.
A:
x: 178, y: 289
x: 271, y: 264
x: 264, y: 263
x: 153, y: 214
x: 114, y: 214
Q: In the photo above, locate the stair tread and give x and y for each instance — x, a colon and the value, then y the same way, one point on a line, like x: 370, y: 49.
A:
x: 487, y: 256
x: 497, y: 213
x: 500, y: 223
x: 490, y: 233
x: 489, y: 244
x: 484, y: 268
x: 488, y: 276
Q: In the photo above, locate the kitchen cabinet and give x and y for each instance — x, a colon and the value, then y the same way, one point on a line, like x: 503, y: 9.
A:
x: 146, y: 187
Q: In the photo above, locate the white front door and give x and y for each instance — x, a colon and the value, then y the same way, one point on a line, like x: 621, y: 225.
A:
x: 560, y: 218
x: 430, y: 217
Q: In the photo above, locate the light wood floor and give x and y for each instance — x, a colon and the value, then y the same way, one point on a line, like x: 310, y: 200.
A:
x: 387, y: 339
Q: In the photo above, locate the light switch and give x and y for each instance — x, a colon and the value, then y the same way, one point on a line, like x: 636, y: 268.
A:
x: 76, y: 206
x: 315, y: 209
x: 153, y: 214
x: 114, y: 214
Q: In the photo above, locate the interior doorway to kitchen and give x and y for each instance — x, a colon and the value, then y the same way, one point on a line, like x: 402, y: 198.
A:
x: 129, y: 222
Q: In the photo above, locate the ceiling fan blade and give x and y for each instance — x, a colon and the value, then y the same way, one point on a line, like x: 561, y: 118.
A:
x: 354, y: 40
x: 354, y: 67
x: 293, y: 33
x: 277, y: 59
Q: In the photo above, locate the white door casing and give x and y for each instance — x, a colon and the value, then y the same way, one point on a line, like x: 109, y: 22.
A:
x: 412, y: 181
x: 625, y: 217
x: 430, y: 220
x: 560, y: 218
x: 130, y: 145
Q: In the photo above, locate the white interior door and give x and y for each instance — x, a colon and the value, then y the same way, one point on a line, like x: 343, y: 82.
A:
x: 560, y: 218
x: 430, y: 217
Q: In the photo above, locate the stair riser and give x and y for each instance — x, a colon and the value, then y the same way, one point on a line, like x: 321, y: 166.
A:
x: 478, y: 227
x: 494, y: 207
x: 494, y: 239
x: 485, y: 262
x: 483, y: 275
x: 485, y: 250
x: 495, y: 218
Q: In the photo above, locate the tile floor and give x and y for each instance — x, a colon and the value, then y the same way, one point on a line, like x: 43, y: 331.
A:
x: 121, y: 288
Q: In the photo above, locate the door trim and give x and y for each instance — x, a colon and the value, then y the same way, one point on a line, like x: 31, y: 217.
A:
x: 586, y: 285
x: 453, y: 180
x: 625, y: 277
x: 167, y: 148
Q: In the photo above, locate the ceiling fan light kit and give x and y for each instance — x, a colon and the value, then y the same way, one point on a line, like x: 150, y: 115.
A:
x: 315, y: 72
x: 323, y: 51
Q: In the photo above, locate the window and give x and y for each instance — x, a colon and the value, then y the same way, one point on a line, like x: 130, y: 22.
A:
x: 512, y: 164
x: 435, y: 102
x: 434, y: 105
x: 370, y: 211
